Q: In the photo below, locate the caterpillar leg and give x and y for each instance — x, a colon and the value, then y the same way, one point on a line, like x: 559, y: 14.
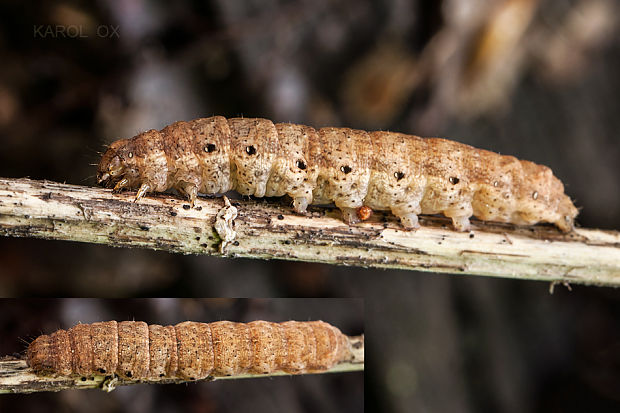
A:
x: 461, y: 223
x: 144, y: 189
x: 189, y: 190
x: 120, y: 185
x: 300, y: 204
x: 409, y: 221
x: 349, y: 215
x: 408, y: 213
x: 261, y: 188
x: 460, y: 215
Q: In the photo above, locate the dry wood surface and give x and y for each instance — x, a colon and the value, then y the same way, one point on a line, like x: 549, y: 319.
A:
x: 269, y: 229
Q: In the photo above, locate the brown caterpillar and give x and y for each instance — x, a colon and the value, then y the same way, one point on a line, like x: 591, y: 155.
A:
x: 188, y: 350
x: 351, y: 168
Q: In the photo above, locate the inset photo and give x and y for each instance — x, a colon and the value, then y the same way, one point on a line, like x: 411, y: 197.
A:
x: 182, y: 354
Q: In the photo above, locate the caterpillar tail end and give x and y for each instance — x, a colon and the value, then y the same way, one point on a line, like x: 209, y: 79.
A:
x: 38, y: 355
x: 567, y: 212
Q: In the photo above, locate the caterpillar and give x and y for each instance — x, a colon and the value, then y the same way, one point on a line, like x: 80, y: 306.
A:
x: 405, y: 174
x: 189, y: 350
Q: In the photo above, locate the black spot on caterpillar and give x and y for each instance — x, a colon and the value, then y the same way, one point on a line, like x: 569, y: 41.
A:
x: 351, y: 168
x: 189, y: 350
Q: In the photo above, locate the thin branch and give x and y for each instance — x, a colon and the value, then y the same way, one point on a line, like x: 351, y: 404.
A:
x: 269, y: 229
x: 17, y: 377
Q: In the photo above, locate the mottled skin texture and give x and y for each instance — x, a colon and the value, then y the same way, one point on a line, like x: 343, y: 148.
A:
x: 188, y: 350
x: 351, y: 168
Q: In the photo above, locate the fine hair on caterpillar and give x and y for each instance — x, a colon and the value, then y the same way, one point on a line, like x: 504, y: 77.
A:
x: 379, y: 170
x: 189, y: 350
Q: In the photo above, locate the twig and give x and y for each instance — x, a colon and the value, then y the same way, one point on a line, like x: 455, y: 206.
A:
x: 17, y: 377
x: 269, y: 229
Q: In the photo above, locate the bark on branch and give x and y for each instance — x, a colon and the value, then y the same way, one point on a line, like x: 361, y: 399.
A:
x: 17, y: 377
x: 270, y: 229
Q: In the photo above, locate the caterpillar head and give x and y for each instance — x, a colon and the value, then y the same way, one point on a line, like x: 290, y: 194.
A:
x: 543, y: 199
x: 118, y: 166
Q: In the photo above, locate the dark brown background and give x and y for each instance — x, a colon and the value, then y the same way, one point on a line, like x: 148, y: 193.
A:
x: 434, y: 68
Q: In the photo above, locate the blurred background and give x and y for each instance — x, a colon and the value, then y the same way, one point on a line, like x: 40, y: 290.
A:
x: 534, y: 79
x: 22, y: 320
